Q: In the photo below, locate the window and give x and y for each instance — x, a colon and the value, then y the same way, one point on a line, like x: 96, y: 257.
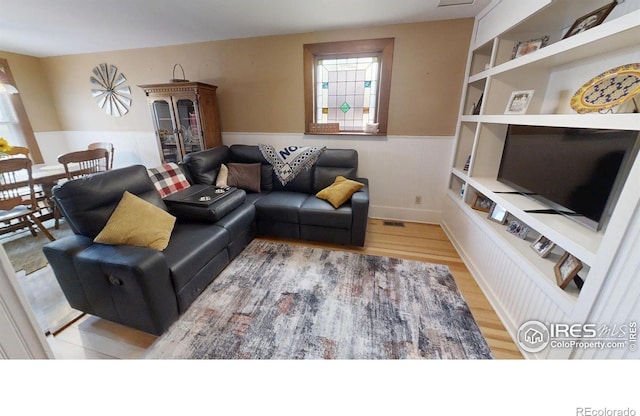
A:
x: 348, y: 83
x: 14, y: 124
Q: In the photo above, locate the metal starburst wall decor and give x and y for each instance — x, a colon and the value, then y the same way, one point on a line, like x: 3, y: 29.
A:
x: 110, y: 91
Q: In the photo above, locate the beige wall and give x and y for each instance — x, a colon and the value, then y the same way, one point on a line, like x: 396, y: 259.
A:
x: 260, y: 80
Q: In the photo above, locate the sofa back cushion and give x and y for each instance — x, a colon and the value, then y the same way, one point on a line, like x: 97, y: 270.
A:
x: 87, y: 203
x: 242, y: 153
x: 333, y: 163
x: 203, y: 167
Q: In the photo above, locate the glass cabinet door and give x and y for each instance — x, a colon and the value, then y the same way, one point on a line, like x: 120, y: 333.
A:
x: 189, y: 125
x: 165, y: 127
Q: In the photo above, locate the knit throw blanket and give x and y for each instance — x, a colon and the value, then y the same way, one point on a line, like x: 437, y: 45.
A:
x: 291, y: 160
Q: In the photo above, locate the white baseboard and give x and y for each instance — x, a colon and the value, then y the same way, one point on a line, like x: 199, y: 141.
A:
x: 405, y: 214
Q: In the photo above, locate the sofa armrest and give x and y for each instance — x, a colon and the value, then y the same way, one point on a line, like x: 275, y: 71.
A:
x: 360, y: 213
x: 60, y: 254
x: 129, y: 285
x: 124, y: 284
x: 209, y: 213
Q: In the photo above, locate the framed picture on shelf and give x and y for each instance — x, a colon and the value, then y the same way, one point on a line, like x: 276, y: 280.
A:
x: 481, y: 203
x: 476, y: 107
x: 498, y: 214
x: 519, y: 102
x: 518, y: 229
x: 524, y: 48
x: 590, y: 20
x: 566, y: 269
x: 467, y: 163
x: 543, y: 246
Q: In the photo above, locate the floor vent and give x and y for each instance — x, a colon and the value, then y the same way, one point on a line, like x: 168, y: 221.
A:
x: 394, y: 223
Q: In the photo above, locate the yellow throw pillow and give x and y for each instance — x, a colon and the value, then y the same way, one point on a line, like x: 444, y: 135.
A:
x: 136, y: 222
x: 339, y: 191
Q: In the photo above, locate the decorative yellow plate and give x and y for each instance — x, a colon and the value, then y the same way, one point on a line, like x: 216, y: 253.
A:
x: 608, y: 89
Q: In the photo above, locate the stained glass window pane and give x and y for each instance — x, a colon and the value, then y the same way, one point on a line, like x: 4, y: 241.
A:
x: 346, y: 91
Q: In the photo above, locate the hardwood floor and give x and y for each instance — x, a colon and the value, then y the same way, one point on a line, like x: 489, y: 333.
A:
x: 95, y: 338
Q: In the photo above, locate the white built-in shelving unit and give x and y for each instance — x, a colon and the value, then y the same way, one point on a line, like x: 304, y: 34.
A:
x: 520, y: 284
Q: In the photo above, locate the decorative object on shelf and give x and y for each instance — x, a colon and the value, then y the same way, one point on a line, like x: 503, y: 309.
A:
x: 174, y: 79
x: 324, y: 128
x: 371, y: 128
x: 543, y: 246
x: 482, y: 203
x: 590, y: 20
x: 476, y: 107
x: 566, y: 269
x: 519, y: 102
x: 524, y: 48
x: 607, y: 90
x: 462, y: 189
x: 467, y: 163
x: 498, y: 214
x: 110, y: 91
x: 518, y: 229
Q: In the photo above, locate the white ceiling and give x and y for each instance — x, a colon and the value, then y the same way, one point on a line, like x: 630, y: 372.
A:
x: 61, y: 27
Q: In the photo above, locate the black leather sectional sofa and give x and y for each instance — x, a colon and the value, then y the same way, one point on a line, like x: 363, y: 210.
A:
x: 293, y: 211
x: 149, y: 289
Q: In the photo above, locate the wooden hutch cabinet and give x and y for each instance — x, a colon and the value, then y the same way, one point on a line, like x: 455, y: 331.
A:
x: 185, y: 117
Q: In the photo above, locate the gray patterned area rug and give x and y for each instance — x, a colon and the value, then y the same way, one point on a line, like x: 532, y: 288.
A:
x: 25, y: 251
x: 279, y: 301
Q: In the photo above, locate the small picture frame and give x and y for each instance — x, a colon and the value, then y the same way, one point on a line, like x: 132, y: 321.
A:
x: 518, y: 229
x: 476, y: 108
x: 467, y: 164
x: 590, y: 20
x: 481, y: 203
x: 566, y: 269
x: 519, y: 102
x: 498, y: 214
x: 524, y: 48
x: 543, y: 246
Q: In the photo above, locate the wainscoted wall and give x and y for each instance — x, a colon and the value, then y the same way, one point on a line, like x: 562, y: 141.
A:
x: 515, y: 297
x: 131, y: 147
x: 399, y: 168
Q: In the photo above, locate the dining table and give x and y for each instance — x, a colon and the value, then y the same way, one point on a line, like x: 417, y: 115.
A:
x: 46, y: 177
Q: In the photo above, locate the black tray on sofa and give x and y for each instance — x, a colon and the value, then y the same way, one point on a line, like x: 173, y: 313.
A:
x: 199, y: 195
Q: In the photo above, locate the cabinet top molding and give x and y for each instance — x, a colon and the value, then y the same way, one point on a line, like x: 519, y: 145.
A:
x: 176, y: 87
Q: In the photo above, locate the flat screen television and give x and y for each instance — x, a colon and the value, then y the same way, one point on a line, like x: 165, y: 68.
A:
x: 577, y: 172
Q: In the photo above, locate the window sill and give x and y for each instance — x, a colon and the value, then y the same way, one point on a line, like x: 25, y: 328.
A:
x: 345, y: 133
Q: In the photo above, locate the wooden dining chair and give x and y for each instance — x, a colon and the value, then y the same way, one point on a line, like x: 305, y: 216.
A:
x: 104, y: 145
x: 17, y: 210
x: 84, y: 162
x: 21, y: 151
x: 17, y: 151
x: 79, y: 164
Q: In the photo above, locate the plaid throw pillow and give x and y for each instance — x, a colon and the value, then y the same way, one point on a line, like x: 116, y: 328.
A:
x: 168, y: 179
